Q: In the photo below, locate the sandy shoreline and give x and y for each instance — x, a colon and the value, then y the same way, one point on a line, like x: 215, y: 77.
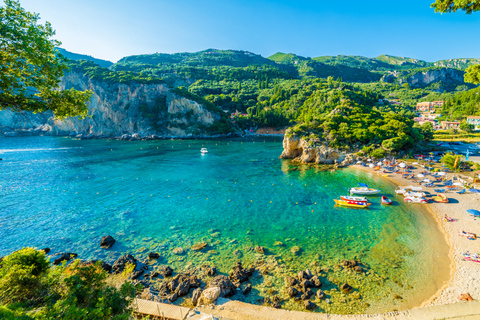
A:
x: 464, y: 275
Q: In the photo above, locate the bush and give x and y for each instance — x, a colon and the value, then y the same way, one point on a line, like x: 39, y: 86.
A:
x: 21, y: 275
x: 378, y: 153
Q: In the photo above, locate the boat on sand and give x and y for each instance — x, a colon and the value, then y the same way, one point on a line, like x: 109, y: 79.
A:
x: 441, y: 198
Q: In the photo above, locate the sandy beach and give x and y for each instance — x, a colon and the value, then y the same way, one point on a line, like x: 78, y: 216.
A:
x: 464, y: 275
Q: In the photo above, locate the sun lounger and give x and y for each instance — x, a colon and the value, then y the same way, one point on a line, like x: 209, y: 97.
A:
x: 461, y: 192
x: 439, y: 190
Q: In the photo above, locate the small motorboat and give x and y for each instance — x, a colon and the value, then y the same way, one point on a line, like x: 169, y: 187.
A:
x: 357, y: 199
x: 415, y: 199
x: 353, y: 204
x: 204, y: 150
x: 386, y: 201
x: 441, y: 198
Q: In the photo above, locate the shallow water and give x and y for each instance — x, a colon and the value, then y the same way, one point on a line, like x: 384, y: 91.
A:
x: 158, y: 195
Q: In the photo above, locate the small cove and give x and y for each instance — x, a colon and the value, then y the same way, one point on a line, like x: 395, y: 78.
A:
x: 158, y: 195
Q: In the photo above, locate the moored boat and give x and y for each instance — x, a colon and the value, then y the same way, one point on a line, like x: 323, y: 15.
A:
x: 353, y: 204
x: 357, y: 199
x: 386, y: 201
x: 204, y: 150
x: 363, y: 190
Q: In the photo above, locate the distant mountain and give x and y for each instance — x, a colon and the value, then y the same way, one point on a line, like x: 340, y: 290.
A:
x: 391, y: 63
x: 308, y: 67
x: 76, y: 56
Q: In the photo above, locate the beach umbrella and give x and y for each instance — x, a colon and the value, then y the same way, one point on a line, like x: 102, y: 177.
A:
x: 474, y: 212
x: 379, y: 164
x: 359, y: 162
x: 421, y: 175
x: 441, y: 173
x: 371, y: 165
x: 474, y: 190
x: 415, y: 163
x: 427, y: 180
x: 458, y: 184
x: 402, y: 165
x: 369, y: 160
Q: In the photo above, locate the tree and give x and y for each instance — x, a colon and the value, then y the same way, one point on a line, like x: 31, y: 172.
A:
x: 472, y: 74
x: 464, y: 126
x: 31, y: 67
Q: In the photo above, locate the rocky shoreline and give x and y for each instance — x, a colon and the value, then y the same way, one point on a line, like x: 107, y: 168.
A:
x: 202, y: 285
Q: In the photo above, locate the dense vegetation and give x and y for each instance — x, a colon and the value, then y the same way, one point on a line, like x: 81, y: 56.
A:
x: 30, y: 288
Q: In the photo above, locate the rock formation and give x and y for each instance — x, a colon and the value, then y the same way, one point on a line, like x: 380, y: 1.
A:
x: 127, y: 111
x: 301, y: 150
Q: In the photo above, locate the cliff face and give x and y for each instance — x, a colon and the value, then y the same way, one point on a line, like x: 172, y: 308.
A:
x: 117, y: 110
x: 447, y: 78
x: 301, y: 150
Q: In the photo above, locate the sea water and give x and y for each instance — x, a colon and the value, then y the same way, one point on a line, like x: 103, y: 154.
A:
x: 66, y: 194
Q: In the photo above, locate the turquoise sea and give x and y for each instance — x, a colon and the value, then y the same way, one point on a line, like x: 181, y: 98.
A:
x: 158, y: 195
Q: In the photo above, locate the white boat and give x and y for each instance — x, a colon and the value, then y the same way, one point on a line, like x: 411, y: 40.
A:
x: 412, y: 199
x: 204, y: 150
x: 414, y: 194
x: 402, y: 190
x: 350, y: 198
x: 363, y: 190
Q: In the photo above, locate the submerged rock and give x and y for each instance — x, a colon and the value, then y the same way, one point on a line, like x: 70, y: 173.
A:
x: 199, y: 246
x: 153, y: 255
x: 259, y: 249
x: 211, y: 271
x: 107, y: 242
x: 292, y: 292
x: 296, y: 250
x: 349, y: 263
x: 247, y: 289
x: 241, y: 274
x: 291, y: 281
x: 178, y: 251
x: 137, y: 274
x: 164, y: 270
x: 316, y: 282
x: 321, y: 294
x: 346, y: 288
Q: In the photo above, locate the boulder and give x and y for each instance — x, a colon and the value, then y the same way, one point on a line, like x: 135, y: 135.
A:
x: 172, y: 297
x: 259, y: 249
x: 291, y: 281
x: 137, y: 274
x: 225, y: 284
x: 197, y: 293
x: 358, y: 269
x: 107, y: 242
x: 292, y: 292
x: 122, y: 262
x: 321, y: 294
x: 172, y: 285
x: 316, y: 282
x: 183, y: 288
x: 308, y: 273
x: 153, y: 255
x: 247, y: 289
x: 349, y: 263
x: 305, y: 284
x: 105, y: 266
x: 302, y: 275
x: 65, y: 257
x: 210, y: 295
x: 178, y: 251
x: 309, y: 305
x: 346, y: 288
x: 46, y: 250
x: 241, y: 274
x: 211, y: 271
x: 165, y: 270
x: 199, y: 246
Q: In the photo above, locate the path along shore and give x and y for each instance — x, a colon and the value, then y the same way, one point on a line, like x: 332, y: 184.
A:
x: 465, y: 275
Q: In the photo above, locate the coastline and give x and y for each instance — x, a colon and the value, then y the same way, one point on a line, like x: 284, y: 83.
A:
x: 463, y: 274
x: 443, y: 304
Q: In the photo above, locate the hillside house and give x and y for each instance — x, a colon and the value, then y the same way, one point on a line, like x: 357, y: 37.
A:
x: 450, y: 125
x: 428, y: 106
x: 475, y: 121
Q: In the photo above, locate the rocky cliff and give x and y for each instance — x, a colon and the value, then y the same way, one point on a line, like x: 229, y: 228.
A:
x: 118, y: 110
x: 447, y: 79
x: 304, y: 151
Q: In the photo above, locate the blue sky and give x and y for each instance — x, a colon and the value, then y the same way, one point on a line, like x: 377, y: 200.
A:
x: 112, y: 29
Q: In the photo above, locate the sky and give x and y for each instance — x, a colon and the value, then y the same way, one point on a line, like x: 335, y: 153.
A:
x: 112, y: 29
